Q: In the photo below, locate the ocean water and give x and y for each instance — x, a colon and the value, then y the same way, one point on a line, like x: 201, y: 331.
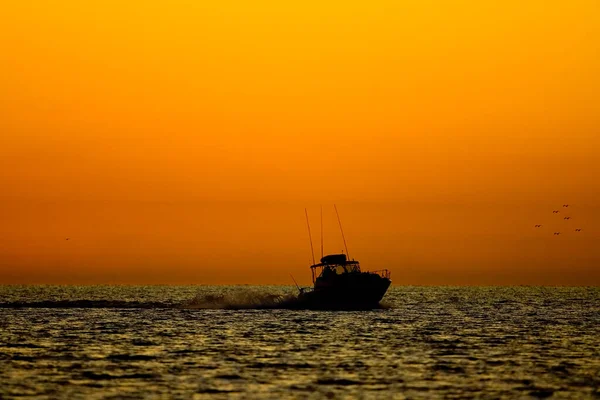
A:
x: 196, y: 342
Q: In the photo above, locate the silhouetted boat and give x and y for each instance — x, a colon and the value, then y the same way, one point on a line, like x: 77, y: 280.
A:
x: 340, y: 284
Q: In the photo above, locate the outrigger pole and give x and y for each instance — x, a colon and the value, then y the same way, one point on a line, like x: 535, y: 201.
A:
x: 310, y: 237
x: 340, y: 223
x: 321, y: 231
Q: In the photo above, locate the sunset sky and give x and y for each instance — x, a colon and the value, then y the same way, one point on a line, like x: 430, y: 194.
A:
x: 180, y: 141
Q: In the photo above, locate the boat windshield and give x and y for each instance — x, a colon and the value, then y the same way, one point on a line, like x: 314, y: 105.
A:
x: 352, y: 267
x: 339, y: 269
x: 335, y: 269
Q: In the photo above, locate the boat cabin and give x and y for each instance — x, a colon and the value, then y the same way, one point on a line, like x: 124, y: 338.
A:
x: 334, y: 264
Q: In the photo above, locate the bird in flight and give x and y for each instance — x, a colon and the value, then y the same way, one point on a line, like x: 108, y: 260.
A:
x: 557, y: 233
x: 537, y: 226
x: 567, y: 218
x: 565, y: 205
x: 555, y: 212
x: 578, y: 230
x: 67, y: 238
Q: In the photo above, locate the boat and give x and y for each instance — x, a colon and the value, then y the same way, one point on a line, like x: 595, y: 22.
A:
x: 339, y: 283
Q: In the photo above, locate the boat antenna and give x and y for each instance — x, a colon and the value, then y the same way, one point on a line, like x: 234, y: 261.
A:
x: 321, y: 231
x: 343, y: 237
x: 310, y: 237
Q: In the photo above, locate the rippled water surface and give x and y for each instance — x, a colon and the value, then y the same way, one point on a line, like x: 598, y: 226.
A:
x: 235, y: 342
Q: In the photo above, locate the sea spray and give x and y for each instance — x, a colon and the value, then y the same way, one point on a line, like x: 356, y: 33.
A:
x: 240, y: 299
x: 236, y: 298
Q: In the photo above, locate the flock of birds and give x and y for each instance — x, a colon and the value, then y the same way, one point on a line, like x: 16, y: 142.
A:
x: 566, y: 218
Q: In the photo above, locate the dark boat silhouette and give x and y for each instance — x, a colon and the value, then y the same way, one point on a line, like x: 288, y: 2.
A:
x: 339, y: 283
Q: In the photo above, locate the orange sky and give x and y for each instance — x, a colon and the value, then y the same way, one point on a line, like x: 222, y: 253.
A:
x: 179, y: 141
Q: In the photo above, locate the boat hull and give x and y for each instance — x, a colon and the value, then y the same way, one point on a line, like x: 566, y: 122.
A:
x: 347, y: 292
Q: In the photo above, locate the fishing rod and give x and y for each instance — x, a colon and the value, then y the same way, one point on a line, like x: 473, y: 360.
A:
x: 296, y: 283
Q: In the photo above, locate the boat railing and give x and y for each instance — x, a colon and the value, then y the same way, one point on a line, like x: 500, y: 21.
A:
x: 384, y: 273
